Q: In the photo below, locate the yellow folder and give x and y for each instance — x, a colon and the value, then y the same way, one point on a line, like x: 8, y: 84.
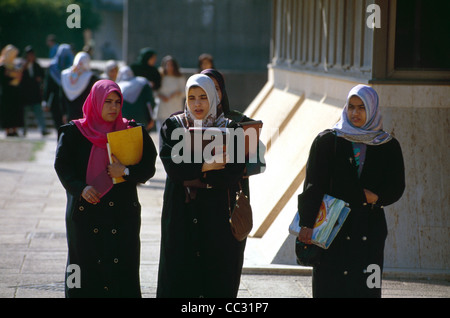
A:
x: 127, y: 146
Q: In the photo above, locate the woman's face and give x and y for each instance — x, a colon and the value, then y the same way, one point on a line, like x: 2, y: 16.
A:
x: 112, y: 73
x: 170, y: 68
x: 152, y: 60
x: 356, y: 112
x: 217, y: 86
x: 111, y: 107
x: 197, y: 102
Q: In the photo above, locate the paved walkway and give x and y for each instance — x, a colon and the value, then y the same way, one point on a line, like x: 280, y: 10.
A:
x: 33, y: 245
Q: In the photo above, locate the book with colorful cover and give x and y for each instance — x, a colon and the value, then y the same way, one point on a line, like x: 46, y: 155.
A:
x: 332, y: 214
x: 127, y: 146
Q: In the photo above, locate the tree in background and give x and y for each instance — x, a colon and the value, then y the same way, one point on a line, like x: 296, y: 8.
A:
x: 28, y: 22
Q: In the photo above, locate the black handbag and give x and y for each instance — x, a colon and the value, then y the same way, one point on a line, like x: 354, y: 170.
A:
x: 307, y: 254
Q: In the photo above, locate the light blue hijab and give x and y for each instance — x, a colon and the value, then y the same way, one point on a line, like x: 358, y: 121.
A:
x: 62, y: 60
x: 371, y: 133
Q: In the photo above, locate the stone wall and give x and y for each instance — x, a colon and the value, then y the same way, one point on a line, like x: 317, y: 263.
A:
x: 419, y: 225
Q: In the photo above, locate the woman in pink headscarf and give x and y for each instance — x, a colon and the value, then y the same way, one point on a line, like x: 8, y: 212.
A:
x: 102, y: 219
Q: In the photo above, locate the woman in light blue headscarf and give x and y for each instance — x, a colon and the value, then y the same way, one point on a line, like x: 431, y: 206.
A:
x: 371, y: 130
x: 361, y: 164
x: 52, y: 85
x: 62, y: 60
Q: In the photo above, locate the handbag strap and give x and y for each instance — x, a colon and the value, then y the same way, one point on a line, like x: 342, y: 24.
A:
x: 229, y: 201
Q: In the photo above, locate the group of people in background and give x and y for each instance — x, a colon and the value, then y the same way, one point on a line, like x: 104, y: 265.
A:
x: 151, y: 94
x: 14, y: 82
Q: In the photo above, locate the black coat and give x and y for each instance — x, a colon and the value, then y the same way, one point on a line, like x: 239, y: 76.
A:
x: 151, y: 73
x: 103, y: 239
x: 11, y: 108
x: 199, y: 256
x: 31, y: 86
x: 52, y: 95
x: 360, y: 242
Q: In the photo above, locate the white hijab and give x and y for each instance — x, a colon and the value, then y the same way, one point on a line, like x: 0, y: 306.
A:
x: 212, y: 118
x: 76, y: 78
x: 130, y: 85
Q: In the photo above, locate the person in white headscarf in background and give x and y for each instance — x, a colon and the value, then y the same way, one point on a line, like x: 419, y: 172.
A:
x: 111, y: 71
x: 361, y: 164
x: 138, y: 99
x: 76, y: 83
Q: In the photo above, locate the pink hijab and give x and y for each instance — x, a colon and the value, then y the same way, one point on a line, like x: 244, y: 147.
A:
x: 94, y: 128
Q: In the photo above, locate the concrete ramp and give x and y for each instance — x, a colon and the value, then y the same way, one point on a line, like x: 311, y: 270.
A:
x: 287, y: 155
x: 275, y: 109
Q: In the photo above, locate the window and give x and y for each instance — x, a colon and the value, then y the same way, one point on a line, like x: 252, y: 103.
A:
x: 422, y: 35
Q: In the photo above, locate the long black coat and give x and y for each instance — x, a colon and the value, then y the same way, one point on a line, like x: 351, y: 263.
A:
x: 11, y: 108
x: 103, y: 239
x: 199, y: 256
x: 342, y: 271
x: 31, y: 85
x: 52, y: 95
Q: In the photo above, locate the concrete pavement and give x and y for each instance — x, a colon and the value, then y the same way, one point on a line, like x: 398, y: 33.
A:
x: 33, y: 245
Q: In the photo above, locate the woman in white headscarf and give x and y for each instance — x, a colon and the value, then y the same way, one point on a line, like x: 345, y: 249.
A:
x: 361, y: 164
x: 111, y: 71
x: 76, y: 83
x: 138, y: 100
x: 199, y: 255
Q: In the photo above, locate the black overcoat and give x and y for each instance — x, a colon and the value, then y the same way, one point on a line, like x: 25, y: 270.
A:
x: 30, y: 86
x: 103, y: 239
x: 199, y: 256
x: 11, y: 108
x: 343, y: 269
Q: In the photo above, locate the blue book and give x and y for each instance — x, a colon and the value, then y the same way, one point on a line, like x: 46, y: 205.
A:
x: 332, y: 215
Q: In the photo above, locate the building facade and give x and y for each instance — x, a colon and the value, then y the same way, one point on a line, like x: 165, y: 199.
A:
x: 235, y: 33
x: 320, y: 50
